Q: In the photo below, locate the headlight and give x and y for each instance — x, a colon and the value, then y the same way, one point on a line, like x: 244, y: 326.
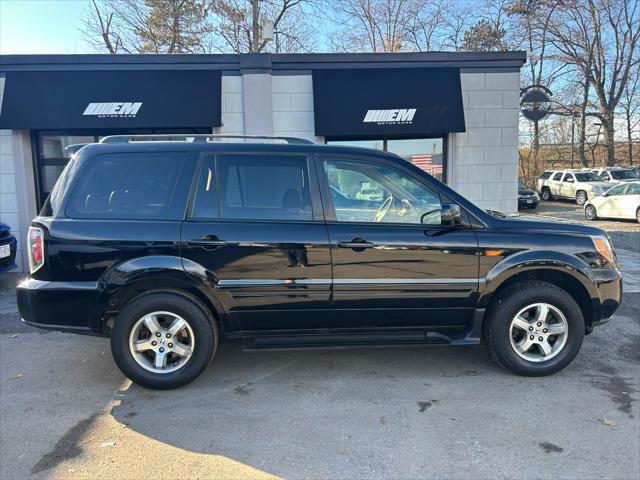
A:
x: 604, y: 249
x: 537, y: 197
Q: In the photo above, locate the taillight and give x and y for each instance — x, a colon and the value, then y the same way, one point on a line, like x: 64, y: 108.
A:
x: 36, y: 248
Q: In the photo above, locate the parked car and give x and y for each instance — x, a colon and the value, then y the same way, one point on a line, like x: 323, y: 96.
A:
x: 542, y: 180
x: 527, y: 198
x: 575, y: 185
x: 616, y: 174
x: 169, y: 247
x: 621, y: 201
x: 8, y: 247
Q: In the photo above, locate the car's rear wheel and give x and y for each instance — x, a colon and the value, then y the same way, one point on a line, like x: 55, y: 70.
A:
x: 163, y: 341
x: 581, y: 197
x: 546, y: 194
x: 638, y: 215
x: 590, y: 212
x: 534, y: 328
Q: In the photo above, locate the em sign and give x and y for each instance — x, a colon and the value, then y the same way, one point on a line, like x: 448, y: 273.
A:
x: 113, y: 109
x: 535, y: 102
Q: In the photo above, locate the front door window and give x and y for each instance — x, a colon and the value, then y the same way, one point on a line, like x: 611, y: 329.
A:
x: 370, y: 192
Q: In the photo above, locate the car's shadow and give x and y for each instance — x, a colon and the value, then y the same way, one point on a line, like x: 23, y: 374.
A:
x: 264, y: 408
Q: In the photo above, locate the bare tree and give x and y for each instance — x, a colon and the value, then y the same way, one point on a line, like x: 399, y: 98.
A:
x: 238, y: 26
x: 195, y: 26
x: 601, y: 38
x: 630, y: 107
x: 374, y: 25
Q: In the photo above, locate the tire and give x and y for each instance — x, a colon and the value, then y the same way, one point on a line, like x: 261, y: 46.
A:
x: 581, y: 197
x: 499, y: 330
x: 546, y: 194
x: 638, y: 215
x: 130, y: 327
x: 590, y: 212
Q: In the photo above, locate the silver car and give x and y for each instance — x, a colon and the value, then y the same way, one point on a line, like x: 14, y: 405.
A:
x: 621, y: 201
x: 578, y: 185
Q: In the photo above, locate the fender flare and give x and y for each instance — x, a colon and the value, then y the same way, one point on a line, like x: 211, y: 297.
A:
x: 134, y: 277
x: 531, y: 261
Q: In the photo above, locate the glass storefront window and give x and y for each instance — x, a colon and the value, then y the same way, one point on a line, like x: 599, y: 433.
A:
x: 376, y: 144
x: 53, y: 146
x: 425, y: 153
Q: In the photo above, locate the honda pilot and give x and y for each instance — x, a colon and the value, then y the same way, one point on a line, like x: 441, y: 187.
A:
x: 170, y: 246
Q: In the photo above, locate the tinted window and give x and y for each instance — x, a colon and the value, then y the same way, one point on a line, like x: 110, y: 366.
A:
x: 265, y: 188
x: 557, y: 176
x: 623, y: 174
x: 568, y: 178
x: 634, y: 189
x: 126, y: 186
x: 369, y: 192
x: 205, y: 203
x: 588, y: 177
x: 545, y: 175
x: 616, y: 190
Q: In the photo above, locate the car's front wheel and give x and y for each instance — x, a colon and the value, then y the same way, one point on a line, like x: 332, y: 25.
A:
x: 590, y: 212
x: 581, y: 197
x: 546, y: 194
x: 534, y: 328
x: 163, y: 341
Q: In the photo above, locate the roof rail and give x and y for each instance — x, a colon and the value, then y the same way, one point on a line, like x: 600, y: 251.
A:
x: 197, y: 138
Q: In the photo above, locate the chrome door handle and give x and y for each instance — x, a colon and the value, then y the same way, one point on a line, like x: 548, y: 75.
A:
x: 208, y: 241
x: 355, y: 244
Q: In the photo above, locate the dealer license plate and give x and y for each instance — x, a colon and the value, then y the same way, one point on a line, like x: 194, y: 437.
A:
x: 5, y: 251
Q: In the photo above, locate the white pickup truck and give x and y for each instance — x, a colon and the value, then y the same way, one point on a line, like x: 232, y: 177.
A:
x: 578, y: 185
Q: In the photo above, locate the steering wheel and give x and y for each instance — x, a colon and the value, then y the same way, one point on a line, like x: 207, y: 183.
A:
x: 384, y: 208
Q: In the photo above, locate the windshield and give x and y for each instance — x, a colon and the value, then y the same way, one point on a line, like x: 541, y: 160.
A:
x: 622, y: 174
x: 588, y: 177
x: 521, y: 184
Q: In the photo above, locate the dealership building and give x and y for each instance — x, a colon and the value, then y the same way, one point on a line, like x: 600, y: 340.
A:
x: 453, y: 114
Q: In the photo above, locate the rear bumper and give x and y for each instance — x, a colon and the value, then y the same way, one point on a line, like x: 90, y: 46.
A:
x: 63, y: 306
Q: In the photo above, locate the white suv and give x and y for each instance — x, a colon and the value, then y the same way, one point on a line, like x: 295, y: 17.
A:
x: 578, y: 185
x: 616, y: 174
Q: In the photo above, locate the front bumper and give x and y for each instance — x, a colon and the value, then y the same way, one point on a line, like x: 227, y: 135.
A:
x: 63, y: 306
x: 608, y: 283
x: 9, y: 263
x: 528, y: 202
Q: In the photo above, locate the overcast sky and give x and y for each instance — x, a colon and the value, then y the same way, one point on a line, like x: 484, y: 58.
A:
x: 41, y: 26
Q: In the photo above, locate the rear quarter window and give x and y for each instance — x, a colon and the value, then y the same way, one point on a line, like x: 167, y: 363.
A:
x: 127, y: 186
x: 545, y: 175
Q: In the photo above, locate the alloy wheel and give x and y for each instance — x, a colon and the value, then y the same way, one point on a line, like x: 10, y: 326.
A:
x: 161, y: 342
x: 590, y: 212
x: 581, y: 198
x: 538, y: 332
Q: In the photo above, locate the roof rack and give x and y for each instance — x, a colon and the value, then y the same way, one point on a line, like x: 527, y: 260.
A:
x: 200, y: 138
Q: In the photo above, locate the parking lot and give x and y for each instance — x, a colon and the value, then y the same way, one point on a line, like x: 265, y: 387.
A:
x: 67, y: 412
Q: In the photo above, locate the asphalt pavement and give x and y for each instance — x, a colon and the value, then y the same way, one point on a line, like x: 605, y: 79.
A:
x: 439, y: 412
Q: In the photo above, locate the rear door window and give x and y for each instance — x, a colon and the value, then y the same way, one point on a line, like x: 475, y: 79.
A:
x: 126, y: 186
x: 266, y: 187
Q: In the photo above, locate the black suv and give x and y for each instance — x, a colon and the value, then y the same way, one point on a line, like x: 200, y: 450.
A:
x: 169, y: 246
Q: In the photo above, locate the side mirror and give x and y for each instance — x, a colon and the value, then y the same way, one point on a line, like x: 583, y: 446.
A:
x: 450, y: 214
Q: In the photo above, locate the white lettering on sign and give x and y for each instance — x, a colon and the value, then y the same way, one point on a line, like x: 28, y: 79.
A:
x: 113, y: 109
x: 394, y: 116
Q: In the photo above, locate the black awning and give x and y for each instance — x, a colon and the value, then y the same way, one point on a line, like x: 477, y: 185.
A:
x: 111, y: 99
x: 387, y: 102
